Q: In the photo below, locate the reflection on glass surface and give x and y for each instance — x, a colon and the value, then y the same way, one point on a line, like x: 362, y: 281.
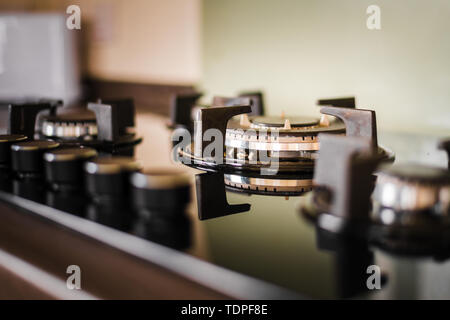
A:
x: 270, y: 240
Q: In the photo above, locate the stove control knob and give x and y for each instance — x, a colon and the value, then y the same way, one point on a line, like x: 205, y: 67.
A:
x: 160, y: 199
x: 5, y: 147
x: 167, y: 191
x: 109, y: 176
x: 64, y: 167
x: 410, y: 188
x: 27, y: 157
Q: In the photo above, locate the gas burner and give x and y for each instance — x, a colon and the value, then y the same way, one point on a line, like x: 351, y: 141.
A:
x: 264, y: 154
x: 22, y: 114
x: 410, y: 189
x: 255, y: 99
x: 290, y: 139
x: 410, y: 210
x: 104, y: 126
x: 275, y: 145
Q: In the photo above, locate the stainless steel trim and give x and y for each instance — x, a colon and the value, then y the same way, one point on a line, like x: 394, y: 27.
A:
x: 41, y: 282
x: 226, y: 281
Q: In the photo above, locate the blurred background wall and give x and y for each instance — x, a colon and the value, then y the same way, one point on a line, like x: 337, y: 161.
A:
x: 150, y: 41
x: 302, y: 50
x: 295, y: 50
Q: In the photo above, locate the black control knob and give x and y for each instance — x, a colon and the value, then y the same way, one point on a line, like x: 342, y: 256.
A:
x: 109, y: 176
x: 31, y: 189
x: 160, y: 199
x: 64, y: 167
x: 27, y: 157
x: 5, y: 147
x: 167, y: 191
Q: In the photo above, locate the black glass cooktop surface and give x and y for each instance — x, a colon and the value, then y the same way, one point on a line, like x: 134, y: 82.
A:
x: 273, y: 242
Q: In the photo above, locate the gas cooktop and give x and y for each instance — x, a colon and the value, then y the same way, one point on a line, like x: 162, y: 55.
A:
x: 315, y: 229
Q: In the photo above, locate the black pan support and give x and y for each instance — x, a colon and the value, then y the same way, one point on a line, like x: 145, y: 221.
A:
x: 351, y: 259
x: 22, y: 115
x: 445, y: 145
x: 345, y: 190
x: 358, y: 122
x: 211, y: 197
x: 113, y: 118
x: 255, y: 99
x: 214, y: 118
x: 348, y: 102
x: 181, y: 110
x: 182, y: 106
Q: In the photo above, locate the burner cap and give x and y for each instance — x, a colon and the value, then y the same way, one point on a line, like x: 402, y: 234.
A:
x: 279, y: 122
